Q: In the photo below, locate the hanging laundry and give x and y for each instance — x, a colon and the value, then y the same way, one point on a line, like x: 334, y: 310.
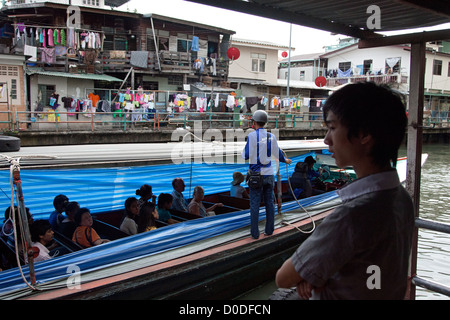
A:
x: 195, y: 46
x: 63, y: 37
x: 230, y: 101
x: 48, y: 55
x: 50, y: 38
x: 94, y: 98
x: 31, y: 51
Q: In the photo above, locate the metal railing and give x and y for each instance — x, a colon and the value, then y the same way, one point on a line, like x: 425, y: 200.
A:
x: 380, y: 79
x: 157, y: 120
x: 140, y: 120
x: 421, y: 282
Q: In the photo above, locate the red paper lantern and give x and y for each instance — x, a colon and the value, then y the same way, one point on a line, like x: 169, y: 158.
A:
x: 233, y: 53
x: 321, y: 81
x: 284, y: 54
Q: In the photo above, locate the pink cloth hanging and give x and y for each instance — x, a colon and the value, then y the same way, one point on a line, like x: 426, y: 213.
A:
x: 50, y: 37
x: 44, y: 36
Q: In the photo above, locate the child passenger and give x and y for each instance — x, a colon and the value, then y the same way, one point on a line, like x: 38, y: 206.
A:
x: 84, y: 234
x: 164, y: 204
x: 236, y: 189
x: 42, y: 237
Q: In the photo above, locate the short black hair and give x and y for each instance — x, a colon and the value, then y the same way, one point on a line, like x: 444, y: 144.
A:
x: 163, y: 199
x: 39, y: 228
x: 71, y: 207
x: 372, y: 109
x: 77, y: 217
x: 60, y: 199
x: 175, y: 181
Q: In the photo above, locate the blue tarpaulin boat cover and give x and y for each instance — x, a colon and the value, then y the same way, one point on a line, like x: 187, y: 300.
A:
x: 105, y: 189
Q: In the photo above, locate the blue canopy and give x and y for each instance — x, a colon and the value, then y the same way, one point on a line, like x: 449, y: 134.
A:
x: 106, y: 189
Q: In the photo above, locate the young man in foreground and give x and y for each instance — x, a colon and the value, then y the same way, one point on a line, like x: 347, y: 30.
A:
x: 361, y: 250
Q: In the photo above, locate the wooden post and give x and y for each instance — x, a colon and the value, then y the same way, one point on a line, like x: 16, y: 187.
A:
x: 415, y: 130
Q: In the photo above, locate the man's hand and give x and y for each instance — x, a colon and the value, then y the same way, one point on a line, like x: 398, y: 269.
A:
x: 304, y: 290
x: 288, y: 161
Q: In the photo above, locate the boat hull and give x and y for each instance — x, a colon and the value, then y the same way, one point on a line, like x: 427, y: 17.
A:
x: 222, y: 272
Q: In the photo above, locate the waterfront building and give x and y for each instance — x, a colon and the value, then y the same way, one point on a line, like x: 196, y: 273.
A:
x: 345, y: 63
x: 98, y: 49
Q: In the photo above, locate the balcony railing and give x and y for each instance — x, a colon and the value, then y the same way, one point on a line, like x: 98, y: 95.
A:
x: 380, y: 79
x: 111, y: 61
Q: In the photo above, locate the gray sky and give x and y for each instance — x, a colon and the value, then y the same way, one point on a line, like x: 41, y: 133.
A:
x: 305, y: 40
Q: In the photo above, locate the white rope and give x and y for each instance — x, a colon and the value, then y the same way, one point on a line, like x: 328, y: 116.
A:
x: 304, y: 209
x: 16, y: 166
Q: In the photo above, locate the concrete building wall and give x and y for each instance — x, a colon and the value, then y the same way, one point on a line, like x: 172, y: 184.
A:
x: 242, y: 67
x: 65, y: 87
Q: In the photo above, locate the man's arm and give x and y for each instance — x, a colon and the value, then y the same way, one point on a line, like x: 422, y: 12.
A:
x: 277, y: 151
x: 287, y: 277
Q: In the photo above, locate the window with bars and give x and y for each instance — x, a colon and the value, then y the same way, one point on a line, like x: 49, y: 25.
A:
x: 11, y: 71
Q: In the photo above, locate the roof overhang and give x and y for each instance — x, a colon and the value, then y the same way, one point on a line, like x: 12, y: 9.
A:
x: 349, y: 17
x: 188, y: 22
x: 85, y: 76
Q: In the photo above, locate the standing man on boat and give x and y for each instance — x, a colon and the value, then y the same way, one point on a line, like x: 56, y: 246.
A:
x: 259, y: 149
x: 361, y: 250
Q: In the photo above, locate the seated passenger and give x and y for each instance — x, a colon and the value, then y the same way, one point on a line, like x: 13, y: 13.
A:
x: 302, y: 179
x: 56, y: 217
x: 179, y: 203
x: 164, y: 204
x: 147, y: 217
x: 145, y: 192
x: 84, y: 234
x: 196, y: 205
x: 237, y: 190
x: 68, y: 225
x: 129, y: 225
x: 42, y: 237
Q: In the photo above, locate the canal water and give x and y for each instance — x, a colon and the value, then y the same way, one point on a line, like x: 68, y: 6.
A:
x: 434, y: 248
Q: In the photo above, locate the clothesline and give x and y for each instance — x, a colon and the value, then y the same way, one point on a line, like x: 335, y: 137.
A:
x: 54, y: 27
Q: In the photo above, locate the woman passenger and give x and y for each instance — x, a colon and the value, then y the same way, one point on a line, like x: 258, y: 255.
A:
x: 196, y: 205
x: 145, y: 192
x: 129, y: 225
x: 147, y: 217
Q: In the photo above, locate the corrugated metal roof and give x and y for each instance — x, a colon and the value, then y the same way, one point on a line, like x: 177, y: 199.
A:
x: 87, y: 76
x: 347, y: 17
x: 259, y: 42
